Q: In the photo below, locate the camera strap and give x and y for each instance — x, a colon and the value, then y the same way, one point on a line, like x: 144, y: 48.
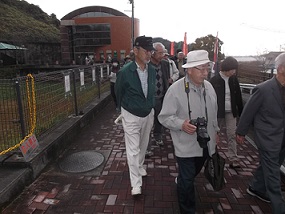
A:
x: 187, y: 91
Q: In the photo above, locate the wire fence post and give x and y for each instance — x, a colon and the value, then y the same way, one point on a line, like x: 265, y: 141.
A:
x: 74, y: 92
x: 20, y: 108
x: 98, y: 79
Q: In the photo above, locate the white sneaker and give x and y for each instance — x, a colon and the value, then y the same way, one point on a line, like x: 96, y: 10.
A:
x: 118, y: 120
x: 148, y: 153
x: 136, y: 191
x: 159, y: 142
x: 143, y: 172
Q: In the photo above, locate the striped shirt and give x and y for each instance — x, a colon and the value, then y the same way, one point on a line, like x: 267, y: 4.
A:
x: 143, y: 75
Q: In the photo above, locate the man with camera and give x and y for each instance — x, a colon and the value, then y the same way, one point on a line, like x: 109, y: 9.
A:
x: 190, y: 112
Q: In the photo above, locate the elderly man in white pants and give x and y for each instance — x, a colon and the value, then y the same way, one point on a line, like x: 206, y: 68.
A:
x: 135, y: 88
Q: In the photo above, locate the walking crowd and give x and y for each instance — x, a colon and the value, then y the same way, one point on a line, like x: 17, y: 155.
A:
x: 153, y: 92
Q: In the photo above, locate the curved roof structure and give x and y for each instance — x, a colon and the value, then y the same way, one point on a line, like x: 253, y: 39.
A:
x: 99, y: 9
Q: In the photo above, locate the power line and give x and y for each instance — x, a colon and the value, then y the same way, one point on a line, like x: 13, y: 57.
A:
x: 262, y: 28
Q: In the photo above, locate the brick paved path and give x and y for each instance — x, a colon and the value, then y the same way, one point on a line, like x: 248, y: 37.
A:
x: 107, y: 188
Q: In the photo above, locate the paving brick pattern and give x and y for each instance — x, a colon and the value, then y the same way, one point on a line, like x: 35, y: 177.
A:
x: 108, y: 191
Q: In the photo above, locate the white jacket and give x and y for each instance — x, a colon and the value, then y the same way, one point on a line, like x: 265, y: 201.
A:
x: 175, y: 111
x: 113, y: 77
x: 174, y: 72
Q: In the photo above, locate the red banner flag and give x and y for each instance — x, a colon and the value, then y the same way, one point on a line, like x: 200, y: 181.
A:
x: 172, y: 49
x: 216, y: 53
x: 216, y: 49
x: 185, y: 45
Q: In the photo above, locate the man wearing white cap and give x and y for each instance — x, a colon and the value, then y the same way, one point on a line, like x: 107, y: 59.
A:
x: 189, y: 103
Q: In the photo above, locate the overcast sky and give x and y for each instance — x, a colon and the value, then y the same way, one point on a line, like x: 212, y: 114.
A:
x: 247, y: 27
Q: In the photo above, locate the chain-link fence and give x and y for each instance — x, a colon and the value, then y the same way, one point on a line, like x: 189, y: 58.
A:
x: 57, y: 95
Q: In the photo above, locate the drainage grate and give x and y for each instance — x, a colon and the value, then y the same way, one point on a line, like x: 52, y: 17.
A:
x: 81, y: 161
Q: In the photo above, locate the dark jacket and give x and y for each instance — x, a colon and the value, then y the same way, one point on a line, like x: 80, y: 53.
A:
x: 165, y: 74
x: 129, y: 91
x: 265, y: 111
x: 176, y: 62
x: 236, y: 98
x: 185, y: 70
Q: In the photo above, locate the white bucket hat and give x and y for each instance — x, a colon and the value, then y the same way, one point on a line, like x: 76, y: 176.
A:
x: 195, y: 58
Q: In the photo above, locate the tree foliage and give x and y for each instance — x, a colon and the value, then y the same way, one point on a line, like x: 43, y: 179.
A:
x: 205, y: 43
x: 208, y: 43
x: 23, y: 23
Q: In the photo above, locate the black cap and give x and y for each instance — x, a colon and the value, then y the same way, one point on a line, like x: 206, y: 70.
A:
x: 229, y: 63
x: 144, y: 42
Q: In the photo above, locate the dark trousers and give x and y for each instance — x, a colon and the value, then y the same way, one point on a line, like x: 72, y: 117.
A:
x: 112, y: 88
x: 188, y: 169
x: 266, y: 179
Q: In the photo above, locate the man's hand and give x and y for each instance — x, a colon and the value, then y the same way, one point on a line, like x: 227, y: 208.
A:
x: 170, y: 81
x: 240, y: 139
x: 188, y: 128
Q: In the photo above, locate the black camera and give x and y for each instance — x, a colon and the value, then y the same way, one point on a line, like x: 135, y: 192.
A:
x: 202, y: 134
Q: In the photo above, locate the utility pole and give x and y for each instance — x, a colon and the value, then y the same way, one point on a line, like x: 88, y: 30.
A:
x: 133, y: 24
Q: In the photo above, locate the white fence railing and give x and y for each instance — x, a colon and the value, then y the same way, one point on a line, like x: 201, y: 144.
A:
x: 246, y: 88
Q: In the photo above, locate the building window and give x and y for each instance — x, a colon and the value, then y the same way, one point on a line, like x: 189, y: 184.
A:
x: 91, y: 35
x: 123, y: 54
x: 94, y: 14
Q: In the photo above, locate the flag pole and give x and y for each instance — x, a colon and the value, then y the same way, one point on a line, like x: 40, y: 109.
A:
x: 216, y: 55
x: 172, y: 48
x: 185, y: 45
x: 133, y: 24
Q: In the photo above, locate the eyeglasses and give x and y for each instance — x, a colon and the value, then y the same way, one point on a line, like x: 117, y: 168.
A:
x: 202, y: 68
x: 145, y: 51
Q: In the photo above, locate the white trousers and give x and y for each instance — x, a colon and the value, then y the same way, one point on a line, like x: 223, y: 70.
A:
x: 137, y: 131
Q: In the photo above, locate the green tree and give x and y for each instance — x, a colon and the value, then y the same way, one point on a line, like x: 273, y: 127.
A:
x: 205, y: 43
x: 54, y: 21
x: 208, y: 43
x: 23, y: 23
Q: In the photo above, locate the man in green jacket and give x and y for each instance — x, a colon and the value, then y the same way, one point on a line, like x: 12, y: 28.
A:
x: 135, y: 88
